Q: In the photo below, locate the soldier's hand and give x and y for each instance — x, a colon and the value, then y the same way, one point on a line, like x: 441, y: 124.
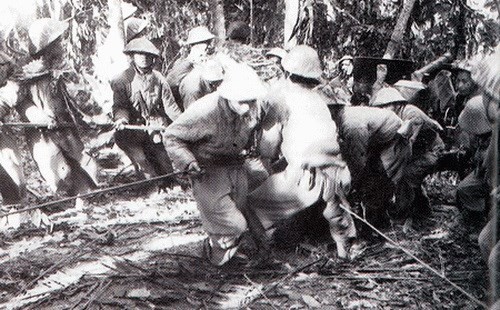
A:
x: 381, y: 72
x: 51, y: 124
x: 120, y: 124
x: 194, y: 169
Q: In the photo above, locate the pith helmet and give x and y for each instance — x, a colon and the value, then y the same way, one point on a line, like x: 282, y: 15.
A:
x: 212, y: 71
x: 487, y: 74
x: 133, y: 26
x: 387, y: 95
x: 128, y: 9
x: 303, y: 61
x: 143, y: 46
x: 44, y: 31
x: 278, y: 52
x: 199, y: 34
x: 473, y: 118
x: 241, y: 83
x: 409, y: 89
x: 344, y: 58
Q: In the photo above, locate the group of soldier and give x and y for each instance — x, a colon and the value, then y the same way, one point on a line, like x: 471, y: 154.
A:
x: 257, y: 152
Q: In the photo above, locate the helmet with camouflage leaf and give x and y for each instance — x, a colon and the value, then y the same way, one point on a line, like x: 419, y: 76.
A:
x: 43, y: 32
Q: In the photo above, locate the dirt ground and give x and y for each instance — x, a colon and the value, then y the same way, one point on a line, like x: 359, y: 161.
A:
x: 139, y: 249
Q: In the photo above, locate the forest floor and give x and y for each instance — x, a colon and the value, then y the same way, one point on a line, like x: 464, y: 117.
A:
x: 140, y: 249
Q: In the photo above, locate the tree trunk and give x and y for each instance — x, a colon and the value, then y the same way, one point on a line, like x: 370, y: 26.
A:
x: 291, y: 17
x: 399, y: 30
x: 115, y: 21
x: 217, y: 9
x: 115, y: 42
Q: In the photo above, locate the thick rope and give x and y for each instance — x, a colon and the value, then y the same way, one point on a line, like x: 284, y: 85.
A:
x: 89, y: 194
x: 407, y: 252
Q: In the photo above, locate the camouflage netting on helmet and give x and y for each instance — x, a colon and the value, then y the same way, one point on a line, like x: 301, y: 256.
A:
x: 252, y: 56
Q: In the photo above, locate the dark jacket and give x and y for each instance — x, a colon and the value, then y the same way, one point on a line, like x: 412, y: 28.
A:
x: 138, y: 97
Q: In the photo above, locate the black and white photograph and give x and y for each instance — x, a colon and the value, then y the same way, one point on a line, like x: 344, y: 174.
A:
x: 249, y: 154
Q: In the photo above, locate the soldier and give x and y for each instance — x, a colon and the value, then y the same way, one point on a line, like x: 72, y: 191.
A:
x: 422, y: 134
x: 209, y: 140
x: 142, y: 96
x: 201, y: 81
x: 12, y: 187
x: 308, y: 141
x: 473, y: 191
x: 342, y: 84
x: 375, y: 153
x: 276, y: 55
x: 486, y: 74
x: 56, y: 146
x: 199, y: 42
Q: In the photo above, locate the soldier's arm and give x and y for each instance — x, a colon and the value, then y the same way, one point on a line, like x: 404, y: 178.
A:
x: 170, y: 107
x: 192, y: 127
x: 121, y: 100
x: 356, y: 149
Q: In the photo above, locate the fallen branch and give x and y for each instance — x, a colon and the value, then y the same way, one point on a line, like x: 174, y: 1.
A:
x: 92, y: 289
x: 271, y: 286
x: 98, y: 294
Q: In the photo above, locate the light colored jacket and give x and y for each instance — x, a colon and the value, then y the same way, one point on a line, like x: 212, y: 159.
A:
x: 309, y: 135
x: 365, y: 130
x: 210, y: 133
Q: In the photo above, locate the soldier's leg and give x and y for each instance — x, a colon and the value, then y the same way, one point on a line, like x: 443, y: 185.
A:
x: 342, y: 227
x: 12, y: 191
x: 220, y: 215
x: 51, y: 163
x: 162, y: 164
x: 131, y: 143
x: 472, y: 193
x: 12, y: 185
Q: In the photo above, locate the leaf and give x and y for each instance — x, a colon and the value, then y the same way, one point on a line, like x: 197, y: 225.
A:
x: 36, y: 218
x: 310, y: 301
x: 14, y: 220
x: 139, y: 293
x: 361, y: 304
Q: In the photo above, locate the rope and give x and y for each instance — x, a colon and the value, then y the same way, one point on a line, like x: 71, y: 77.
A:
x: 89, y: 194
x: 421, y: 262
x: 72, y: 125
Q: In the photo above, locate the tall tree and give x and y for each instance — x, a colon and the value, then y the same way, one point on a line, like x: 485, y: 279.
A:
x: 399, y: 29
x: 217, y: 10
x: 291, y: 18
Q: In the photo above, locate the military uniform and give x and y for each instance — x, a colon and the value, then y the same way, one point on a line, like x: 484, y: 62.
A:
x: 308, y: 142
x: 199, y: 82
x: 424, y: 141
x: 214, y: 137
x: 473, y: 191
x: 375, y: 154
x: 183, y: 66
x: 57, y: 150
x: 143, y: 98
